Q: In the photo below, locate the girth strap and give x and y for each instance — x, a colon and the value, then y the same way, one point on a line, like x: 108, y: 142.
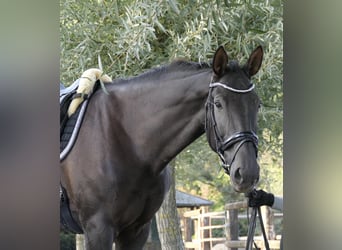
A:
x: 66, y: 219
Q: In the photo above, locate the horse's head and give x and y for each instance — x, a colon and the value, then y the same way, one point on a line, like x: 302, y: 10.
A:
x: 231, y: 117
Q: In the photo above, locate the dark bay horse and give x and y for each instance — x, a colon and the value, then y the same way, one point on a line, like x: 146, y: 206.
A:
x: 116, y: 175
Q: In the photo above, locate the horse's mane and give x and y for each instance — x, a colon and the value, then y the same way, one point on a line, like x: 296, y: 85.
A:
x: 182, y: 64
x: 177, y: 65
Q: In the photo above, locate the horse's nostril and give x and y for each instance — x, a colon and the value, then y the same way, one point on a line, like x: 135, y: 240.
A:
x: 237, y: 176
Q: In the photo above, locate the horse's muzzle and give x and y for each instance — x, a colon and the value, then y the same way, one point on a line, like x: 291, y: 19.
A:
x: 244, y: 178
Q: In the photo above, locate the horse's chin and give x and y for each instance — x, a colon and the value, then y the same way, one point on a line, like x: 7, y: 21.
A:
x: 240, y: 189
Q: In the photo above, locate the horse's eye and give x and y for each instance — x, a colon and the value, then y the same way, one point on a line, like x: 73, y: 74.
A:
x: 218, y: 105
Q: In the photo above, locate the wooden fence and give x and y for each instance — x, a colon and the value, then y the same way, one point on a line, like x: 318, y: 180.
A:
x: 198, y: 229
x: 203, y: 230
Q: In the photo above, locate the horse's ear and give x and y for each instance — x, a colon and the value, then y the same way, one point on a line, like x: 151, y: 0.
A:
x: 220, y: 61
x: 254, y: 62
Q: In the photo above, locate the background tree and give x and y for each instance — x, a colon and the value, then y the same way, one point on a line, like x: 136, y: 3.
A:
x: 167, y: 219
x: 132, y: 36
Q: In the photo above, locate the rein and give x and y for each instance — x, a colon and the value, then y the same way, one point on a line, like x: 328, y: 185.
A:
x: 239, y: 137
x: 251, y: 229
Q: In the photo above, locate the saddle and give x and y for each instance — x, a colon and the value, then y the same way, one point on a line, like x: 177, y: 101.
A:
x: 73, y: 103
x: 69, y: 126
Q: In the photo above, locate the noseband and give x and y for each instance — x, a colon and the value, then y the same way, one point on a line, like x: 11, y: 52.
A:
x: 222, y: 145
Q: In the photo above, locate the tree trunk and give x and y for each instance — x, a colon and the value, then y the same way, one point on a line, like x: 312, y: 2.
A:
x: 167, y: 220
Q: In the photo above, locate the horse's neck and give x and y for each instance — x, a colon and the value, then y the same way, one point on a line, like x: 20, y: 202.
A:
x: 164, y: 118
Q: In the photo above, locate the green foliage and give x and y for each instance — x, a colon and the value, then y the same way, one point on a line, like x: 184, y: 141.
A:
x: 133, y: 36
x: 67, y: 241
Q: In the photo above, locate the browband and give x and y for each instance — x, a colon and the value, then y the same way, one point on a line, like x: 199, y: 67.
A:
x: 216, y: 84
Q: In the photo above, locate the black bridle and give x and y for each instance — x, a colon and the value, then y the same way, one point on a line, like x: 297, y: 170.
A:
x: 222, y: 145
